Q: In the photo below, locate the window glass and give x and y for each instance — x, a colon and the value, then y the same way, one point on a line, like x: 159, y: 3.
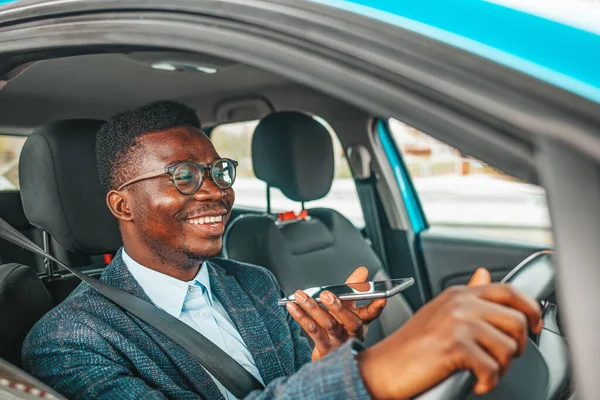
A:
x: 235, y: 141
x: 10, y: 149
x: 463, y: 193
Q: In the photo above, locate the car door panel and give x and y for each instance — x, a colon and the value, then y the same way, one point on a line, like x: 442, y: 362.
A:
x: 451, y: 256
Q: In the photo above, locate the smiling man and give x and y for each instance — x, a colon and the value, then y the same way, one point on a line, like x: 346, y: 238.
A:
x: 172, y: 196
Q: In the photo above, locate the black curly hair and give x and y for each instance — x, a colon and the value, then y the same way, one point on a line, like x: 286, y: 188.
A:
x: 116, y: 140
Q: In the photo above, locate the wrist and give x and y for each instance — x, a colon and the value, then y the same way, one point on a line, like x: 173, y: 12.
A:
x: 367, y: 368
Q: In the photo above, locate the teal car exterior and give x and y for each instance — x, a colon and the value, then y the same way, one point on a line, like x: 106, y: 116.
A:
x: 563, y: 55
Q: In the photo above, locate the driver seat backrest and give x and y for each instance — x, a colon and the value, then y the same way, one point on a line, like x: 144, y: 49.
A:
x: 23, y: 300
x: 294, y: 152
x: 62, y: 195
x: 61, y: 190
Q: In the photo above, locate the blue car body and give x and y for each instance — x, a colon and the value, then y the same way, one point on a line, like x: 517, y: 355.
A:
x: 560, y: 54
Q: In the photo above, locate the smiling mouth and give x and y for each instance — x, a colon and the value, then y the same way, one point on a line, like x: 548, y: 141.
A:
x: 212, y: 220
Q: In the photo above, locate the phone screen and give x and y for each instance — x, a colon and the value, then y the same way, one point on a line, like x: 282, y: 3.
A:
x: 357, y: 291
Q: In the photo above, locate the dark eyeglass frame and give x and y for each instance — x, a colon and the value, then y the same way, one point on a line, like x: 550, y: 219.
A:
x: 170, y: 170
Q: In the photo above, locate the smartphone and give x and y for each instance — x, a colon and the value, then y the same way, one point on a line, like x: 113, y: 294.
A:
x: 356, y: 291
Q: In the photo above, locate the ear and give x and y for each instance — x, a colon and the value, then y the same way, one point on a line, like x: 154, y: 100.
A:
x: 118, y: 205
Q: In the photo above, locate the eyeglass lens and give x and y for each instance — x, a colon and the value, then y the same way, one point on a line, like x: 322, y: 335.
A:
x: 188, y: 176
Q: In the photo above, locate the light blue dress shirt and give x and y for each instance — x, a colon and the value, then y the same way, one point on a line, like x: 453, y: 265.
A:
x: 193, y: 303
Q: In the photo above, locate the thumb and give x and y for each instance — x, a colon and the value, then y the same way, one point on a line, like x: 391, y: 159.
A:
x: 480, y: 277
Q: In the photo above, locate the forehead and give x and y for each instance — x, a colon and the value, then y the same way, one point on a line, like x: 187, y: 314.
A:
x: 184, y: 143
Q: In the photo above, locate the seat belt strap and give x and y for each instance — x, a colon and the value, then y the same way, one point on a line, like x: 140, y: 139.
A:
x: 217, y: 362
x: 359, y: 159
x: 367, y: 195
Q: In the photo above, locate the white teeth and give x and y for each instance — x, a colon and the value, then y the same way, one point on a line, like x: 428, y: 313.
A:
x: 205, y: 220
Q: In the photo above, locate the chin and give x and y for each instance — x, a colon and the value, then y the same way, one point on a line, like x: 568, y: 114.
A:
x: 203, y: 254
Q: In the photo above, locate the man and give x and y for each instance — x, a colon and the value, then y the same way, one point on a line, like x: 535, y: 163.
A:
x: 171, y: 194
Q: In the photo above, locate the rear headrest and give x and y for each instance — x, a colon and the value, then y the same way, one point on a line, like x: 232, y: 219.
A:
x: 60, y: 188
x: 294, y: 152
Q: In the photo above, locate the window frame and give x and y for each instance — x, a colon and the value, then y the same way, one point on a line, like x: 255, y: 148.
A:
x: 419, y: 221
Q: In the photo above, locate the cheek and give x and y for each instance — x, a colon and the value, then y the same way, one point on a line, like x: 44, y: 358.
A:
x: 156, y: 209
x: 229, y: 198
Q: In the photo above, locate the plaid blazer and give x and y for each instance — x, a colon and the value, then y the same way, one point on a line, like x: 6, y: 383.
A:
x: 89, y: 348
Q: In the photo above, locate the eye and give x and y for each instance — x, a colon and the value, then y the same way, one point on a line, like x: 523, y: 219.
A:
x: 184, y: 175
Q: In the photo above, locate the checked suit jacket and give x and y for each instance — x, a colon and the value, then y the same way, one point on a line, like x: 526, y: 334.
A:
x: 89, y: 348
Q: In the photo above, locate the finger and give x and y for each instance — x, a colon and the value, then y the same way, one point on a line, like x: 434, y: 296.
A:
x: 371, y: 311
x: 514, y: 298
x: 360, y: 274
x: 350, y: 321
x: 324, y: 319
x: 309, y: 325
x: 510, y: 321
x: 480, y: 277
x: 483, y: 366
x: 499, y: 345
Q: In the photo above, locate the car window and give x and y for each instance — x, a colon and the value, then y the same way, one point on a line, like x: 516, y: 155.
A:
x: 235, y: 141
x: 465, y: 194
x: 10, y: 150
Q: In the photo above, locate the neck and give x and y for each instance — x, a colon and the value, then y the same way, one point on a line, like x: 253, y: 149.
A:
x: 178, y: 266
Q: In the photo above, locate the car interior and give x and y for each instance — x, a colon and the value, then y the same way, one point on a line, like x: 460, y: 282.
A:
x: 58, y: 103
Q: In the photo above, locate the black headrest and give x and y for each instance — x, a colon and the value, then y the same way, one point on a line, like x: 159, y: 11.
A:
x: 11, y: 210
x: 294, y: 152
x: 60, y: 188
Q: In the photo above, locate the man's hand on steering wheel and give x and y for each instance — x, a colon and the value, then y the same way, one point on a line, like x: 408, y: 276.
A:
x: 480, y: 327
x: 342, y: 320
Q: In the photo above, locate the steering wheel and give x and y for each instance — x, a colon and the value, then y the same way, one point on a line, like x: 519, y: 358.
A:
x: 534, y: 276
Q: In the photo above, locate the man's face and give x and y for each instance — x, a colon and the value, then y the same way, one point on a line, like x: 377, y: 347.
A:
x: 171, y: 224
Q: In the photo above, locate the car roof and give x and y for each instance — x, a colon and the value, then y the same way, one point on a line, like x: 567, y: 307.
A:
x: 562, y: 52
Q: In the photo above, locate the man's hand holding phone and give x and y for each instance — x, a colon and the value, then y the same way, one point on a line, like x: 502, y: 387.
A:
x: 330, y: 328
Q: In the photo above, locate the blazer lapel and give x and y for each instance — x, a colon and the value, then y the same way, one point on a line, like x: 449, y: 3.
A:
x: 248, y: 321
x: 117, y: 275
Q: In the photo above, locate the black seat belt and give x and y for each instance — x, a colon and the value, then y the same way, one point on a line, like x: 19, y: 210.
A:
x: 367, y: 195
x: 217, y: 362
x: 359, y: 159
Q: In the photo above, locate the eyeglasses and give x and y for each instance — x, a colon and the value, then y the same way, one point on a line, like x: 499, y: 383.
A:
x: 187, y: 176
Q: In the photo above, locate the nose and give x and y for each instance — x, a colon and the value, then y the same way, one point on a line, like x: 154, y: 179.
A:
x: 209, y: 191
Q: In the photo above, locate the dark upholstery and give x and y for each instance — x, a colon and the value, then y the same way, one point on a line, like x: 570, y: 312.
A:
x: 61, y: 190
x: 23, y: 300
x: 11, y: 210
x: 320, y: 251
x: 294, y: 152
x: 55, y: 180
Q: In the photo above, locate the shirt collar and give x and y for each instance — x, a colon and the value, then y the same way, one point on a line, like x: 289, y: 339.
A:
x: 203, y: 279
x: 166, y: 292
